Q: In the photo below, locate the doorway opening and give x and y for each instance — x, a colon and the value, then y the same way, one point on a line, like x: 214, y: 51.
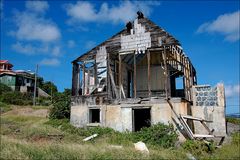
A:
x: 141, y: 118
x: 94, y: 115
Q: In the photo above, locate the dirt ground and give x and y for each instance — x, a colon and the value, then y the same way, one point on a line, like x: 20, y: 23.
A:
x: 231, y: 128
x: 27, y: 111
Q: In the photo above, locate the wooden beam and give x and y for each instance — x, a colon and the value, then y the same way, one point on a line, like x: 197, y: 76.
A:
x: 75, y: 79
x: 195, y: 118
x: 149, y: 73
x: 120, y: 74
x: 202, y: 136
x: 135, y: 74
x: 121, y: 88
x: 95, y: 73
x: 126, y: 52
x: 108, y: 86
x: 83, y: 89
x: 112, y: 81
x: 166, y: 71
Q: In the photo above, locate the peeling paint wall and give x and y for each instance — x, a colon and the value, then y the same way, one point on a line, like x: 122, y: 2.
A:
x: 79, y: 115
x: 120, y: 117
x: 126, y: 117
x: 113, y: 117
x: 215, y: 112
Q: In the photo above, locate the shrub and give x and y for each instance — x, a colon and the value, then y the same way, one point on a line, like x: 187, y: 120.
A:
x: 198, y: 148
x: 16, y: 98
x: 158, y: 134
x: 4, y: 88
x: 44, y: 101
x: 61, y: 105
x: 60, y: 110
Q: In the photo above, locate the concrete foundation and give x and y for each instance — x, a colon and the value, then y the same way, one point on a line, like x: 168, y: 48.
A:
x: 121, y: 116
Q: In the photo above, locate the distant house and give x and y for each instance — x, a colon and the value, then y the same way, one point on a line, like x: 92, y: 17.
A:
x: 18, y: 80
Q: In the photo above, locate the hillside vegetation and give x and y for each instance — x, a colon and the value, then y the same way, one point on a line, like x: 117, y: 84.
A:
x: 27, y: 133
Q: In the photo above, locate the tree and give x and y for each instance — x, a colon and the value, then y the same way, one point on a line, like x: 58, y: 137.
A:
x: 49, y: 87
x: 61, y: 105
x: 67, y: 92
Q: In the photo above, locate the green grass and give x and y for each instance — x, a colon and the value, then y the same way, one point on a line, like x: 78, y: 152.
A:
x: 4, y: 107
x: 27, y: 150
x: 27, y: 137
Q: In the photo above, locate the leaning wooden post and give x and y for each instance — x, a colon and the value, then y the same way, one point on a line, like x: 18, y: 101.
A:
x: 120, y: 75
x: 135, y: 75
x: 149, y: 73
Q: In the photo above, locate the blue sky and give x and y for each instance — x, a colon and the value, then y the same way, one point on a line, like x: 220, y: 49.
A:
x: 53, y: 33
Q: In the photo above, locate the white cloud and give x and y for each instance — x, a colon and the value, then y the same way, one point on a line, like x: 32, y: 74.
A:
x: 32, y: 27
x: 34, y: 33
x: 56, y: 51
x: 226, y: 24
x: 71, y: 43
x: 37, y: 6
x: 49, y: 62
x: 84, y: 11
x: 90, y: 44
x: 232, y: 90
x: 29, y: 49
x: 36, y: 49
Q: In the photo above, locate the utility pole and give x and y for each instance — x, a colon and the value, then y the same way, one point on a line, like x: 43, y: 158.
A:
x: 35, y: 86
x: 51, y: 94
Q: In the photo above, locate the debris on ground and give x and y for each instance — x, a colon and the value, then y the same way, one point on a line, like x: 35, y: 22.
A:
x: 116, y: 146
x: 90, y: 137
x: 190, y: 156
x: 140, y: 146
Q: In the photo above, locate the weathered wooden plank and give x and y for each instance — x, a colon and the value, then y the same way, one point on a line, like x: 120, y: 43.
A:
x: 135, y: 76
x: 120, y: 74
x: 83, y: 89
x: 203, y: 136
x: 149, y: 73
x: 195, y: 118
x: 75, y: 79
x: 166, y: 72
x: 121, y: 88
x: 113, y: 82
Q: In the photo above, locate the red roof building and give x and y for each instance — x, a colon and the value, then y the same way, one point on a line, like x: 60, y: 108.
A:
x: 5, y: 66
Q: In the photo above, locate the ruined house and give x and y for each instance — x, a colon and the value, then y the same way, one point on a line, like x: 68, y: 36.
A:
x: 129, y: 82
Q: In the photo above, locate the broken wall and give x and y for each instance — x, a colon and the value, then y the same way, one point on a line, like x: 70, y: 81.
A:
x: 209, y: 104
